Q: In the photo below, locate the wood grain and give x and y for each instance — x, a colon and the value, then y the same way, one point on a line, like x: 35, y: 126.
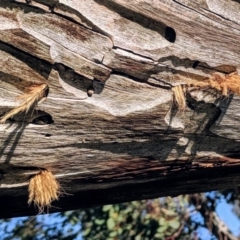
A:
x: 127, y: 140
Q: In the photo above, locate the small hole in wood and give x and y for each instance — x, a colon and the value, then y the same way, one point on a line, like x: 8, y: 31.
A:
x: 47, y: 135
x: 195, y: 64
x: 43, y: 120
x: 170, y: 34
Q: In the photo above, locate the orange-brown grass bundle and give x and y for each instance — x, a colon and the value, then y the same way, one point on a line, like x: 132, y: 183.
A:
x: 221, y: 82
x: 29, y: 100
x: 43, y: 189
x: 179, y: 96
x: 225, y: 84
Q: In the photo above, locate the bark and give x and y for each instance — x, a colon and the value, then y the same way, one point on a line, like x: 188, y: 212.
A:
x: 127, y: 140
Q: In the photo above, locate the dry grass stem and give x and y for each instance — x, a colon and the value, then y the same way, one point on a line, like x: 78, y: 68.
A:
x: 225, y: 84
x: 179, y: 96
x: 43, y: 189
x: 29, y: 100
x: 221, y: 82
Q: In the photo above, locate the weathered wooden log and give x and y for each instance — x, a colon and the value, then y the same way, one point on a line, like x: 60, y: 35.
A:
x: 109, y: 129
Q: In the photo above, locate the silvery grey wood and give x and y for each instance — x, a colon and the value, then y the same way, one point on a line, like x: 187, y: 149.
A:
x: 127, y: 141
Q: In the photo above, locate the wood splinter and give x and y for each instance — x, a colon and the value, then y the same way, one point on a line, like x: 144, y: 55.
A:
x: 29, y: 100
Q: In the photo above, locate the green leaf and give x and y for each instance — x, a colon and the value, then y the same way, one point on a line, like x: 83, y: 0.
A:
x: 113, y: 214
x: 147, y: 216
x: 170, y: 213
x: 138, y: 237
x: 120, y: 218
x: 135, y: 215
x: 159, y: 236
x: 174, y: 224
x: 74, y: 220
x: 148, y: 232
x: 172, y: 205
x: 135, y: 203
x: 161, y: 221
x: 110, y: 224
x: 146, y: 221
x: 129, y: 209
x: 113, y: 234
x: 99, y: 221
x: 128, y: 227
x: 116, y: 207
x: 106, y: 208
x: 86, y: 232
x: 120, y: 230
x: 162, y: 229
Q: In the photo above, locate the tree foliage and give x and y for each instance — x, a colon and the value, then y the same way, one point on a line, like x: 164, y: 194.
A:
x: 182, y: 217
x: 148, y: 219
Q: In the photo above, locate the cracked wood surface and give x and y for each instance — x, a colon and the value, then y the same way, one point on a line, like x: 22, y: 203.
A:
x: 127, y: 141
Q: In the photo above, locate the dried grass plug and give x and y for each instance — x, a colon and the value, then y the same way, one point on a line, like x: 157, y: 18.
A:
x: 225, y: 84
x: 43, y: 189
x: 221, y: 82
x: 179, y: 93
x: 29, y: 100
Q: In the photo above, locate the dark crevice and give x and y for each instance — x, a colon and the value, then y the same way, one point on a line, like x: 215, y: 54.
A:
x: 163, y: 84
x: 72, y: 78
x: 179, y: 62
x: 48, y: 3
x: 32, y: 116
x: 141, y: 80
x: 41, y: 66
x: 210, y: 110
x: 143, y: 74
x: 195, y: 64
x: 47, y: 135
x: 137, y: 54
x: 98, y: 86
x: 234, y: 155
x: 27, y: 8
x: 170, y: 34
x: 188, y: 63
x: 43, y: 120
x: 11, y: 167
x: 223, y: 104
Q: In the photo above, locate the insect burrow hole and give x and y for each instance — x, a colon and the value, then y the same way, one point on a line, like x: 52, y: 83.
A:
x: 195, y: 64
x: 45, y: 119
x: 170, y: 34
